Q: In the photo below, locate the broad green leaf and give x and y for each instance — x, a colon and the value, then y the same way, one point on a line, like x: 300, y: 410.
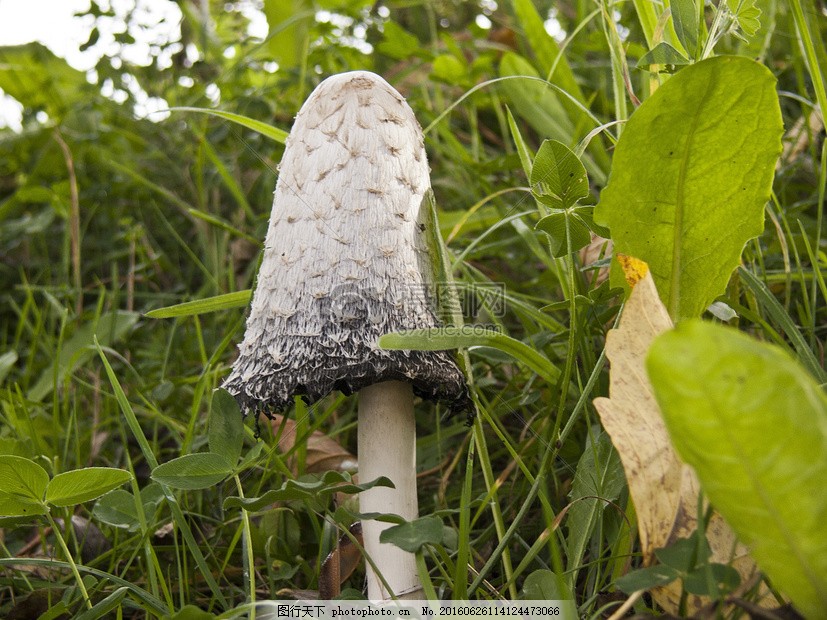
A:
x: 227, y: 301
x: 117, y: 508
x: 268, y: 131
x: 193, y: 471
x: 545, y: 585
x: 599, y: 479
x: 226, y: 430
x: 12, y: 505
x: 445, y: 338
x: 646, y: 578
x: 412, y: 535
x: 398, y: 43
x: 662, y: 54
x: 81, y: 485
x: 712, y: 580
x: 22, y: 486
x: 691, y: 174
x: 683, y: 555
x: 40, y: 80
x: 448, y: 68
x: 78, y: 349
x: 558, y: 178
x: 567, y: 233
x: 307, y: 488
x: 685, y: 18
x: 753, y: 425
x: 289, y: 22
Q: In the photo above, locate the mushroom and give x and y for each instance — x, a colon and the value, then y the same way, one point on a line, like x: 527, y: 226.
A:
x: 346, y: 261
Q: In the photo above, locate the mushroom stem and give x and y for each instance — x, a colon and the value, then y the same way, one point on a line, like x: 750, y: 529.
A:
x: 387, y: 447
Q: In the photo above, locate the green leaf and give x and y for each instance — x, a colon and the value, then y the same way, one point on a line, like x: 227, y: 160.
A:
x: 22, y: 486
x: 567, y: 232
x: 226, y: 426
x: 191, y: 612
x: 665, y: 55
x: 398, y: 42
x: 78, y: 349
x: 81, y: 485
x: 685, y: 19
x: 746, y: 13
x: 600, y: 475
x: 412, y: 535
x: 227, y: 301
x: 193, y: 471
x: 558, y: 178
x: 712, y: 580
x: 445, y: 338
x: 682, y: 555
x: 646, y: 578
x: 753, y: 424
x: 289, y: 23
x: 691, y: 174
x: 268, y: 131
x: 117, y: 508
x: 448, y: 68
x: 545, y: 585
x: 40, y: 80
x: 307, y: 488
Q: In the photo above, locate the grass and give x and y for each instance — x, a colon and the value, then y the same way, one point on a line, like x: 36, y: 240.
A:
x: 173, y: 212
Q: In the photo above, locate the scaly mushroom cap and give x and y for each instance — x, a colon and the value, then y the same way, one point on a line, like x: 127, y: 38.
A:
x: 346, y: 258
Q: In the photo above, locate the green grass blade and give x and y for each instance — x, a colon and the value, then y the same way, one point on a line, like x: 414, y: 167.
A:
x: 774, y: 308
x: 440, y: 339
x: 227, y: 301
x: 153, y: 603
x: 268, y: 131
x: 177, y: 513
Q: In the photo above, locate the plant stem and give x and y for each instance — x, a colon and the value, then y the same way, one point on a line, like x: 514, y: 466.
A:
x: 249, y: 559
x: 62, y: 542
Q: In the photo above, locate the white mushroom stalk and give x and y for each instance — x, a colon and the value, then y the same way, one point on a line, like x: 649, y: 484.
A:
x: 346, y: 260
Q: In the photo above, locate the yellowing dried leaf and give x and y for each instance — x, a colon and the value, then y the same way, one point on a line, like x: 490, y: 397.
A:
x: 664, y: 490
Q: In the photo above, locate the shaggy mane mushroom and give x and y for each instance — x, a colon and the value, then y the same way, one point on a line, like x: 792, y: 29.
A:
x: 346, y: 260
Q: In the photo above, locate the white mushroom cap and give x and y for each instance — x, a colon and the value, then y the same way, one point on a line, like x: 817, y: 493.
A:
x: 346, y: 259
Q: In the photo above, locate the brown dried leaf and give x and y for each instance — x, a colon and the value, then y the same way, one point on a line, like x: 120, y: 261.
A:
x: 323, y: 453
x: 664, y: 489
x: 340, y: 563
